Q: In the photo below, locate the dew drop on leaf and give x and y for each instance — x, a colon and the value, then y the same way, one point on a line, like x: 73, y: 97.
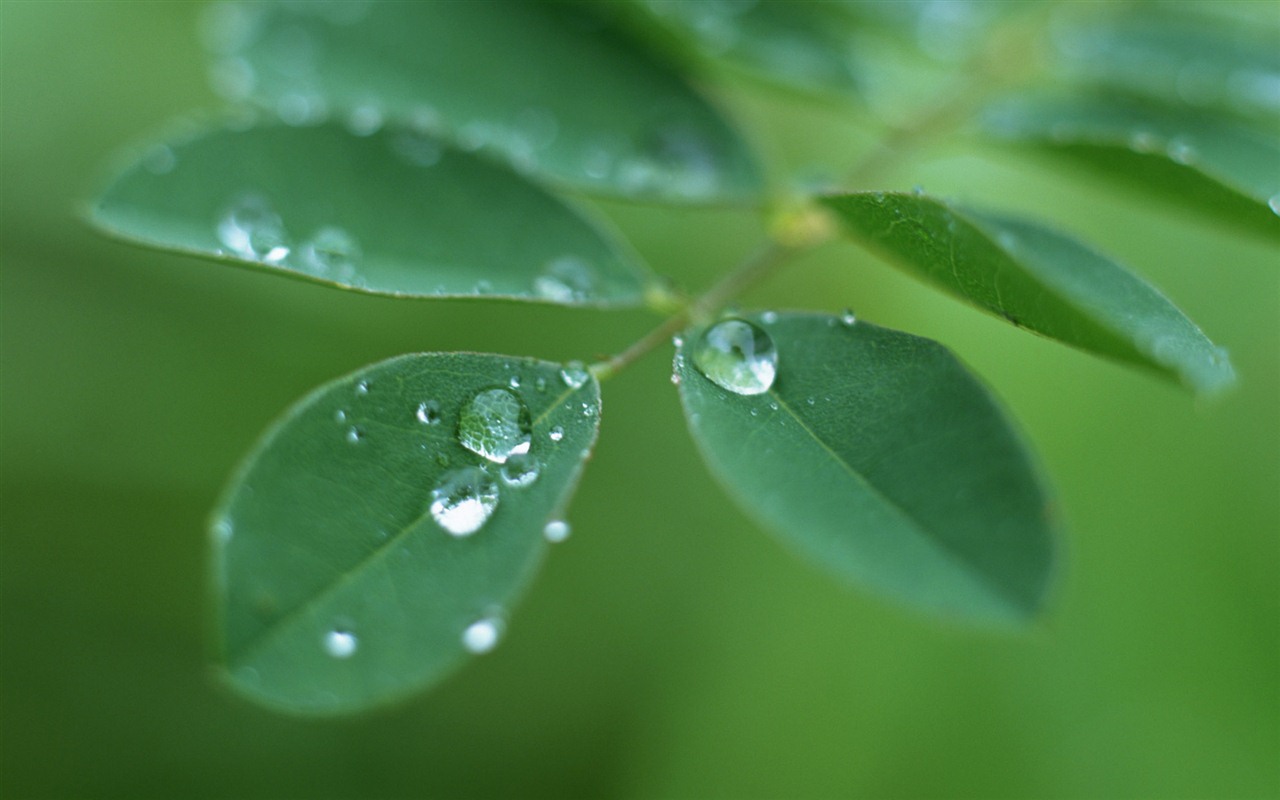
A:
x: 495, y: 425
x: 574, y: 375
x: 848, y: 318
x: 556, y: 531
x: 463, y: 500
x: 482, y: 635
x: 251, y: 229
x: 332, y: 253
x: 428, y: 412
x: 556, y: 434
x: 737, y: 356
x: 340, y: 643
x: 520, y: 470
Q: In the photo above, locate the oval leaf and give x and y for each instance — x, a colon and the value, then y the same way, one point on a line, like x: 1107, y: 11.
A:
x: 1038, y: 279
x: 1216, y: 167
x: 797, y: 44
x: 547, y: 84
x: 392, y: 213
x: 877, y: 456
x: 362, y: 541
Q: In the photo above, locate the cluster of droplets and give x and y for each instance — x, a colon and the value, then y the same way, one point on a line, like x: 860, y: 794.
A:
x: 251, y: 228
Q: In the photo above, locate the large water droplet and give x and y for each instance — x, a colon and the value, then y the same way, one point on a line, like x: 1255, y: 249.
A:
x: 738, y: 356
x: 520, y: 470
x: 483, y: 635
x: 495, y: 424
x: 340, y: 643
x: 556, y: 531
x: 251, y: 229
x: 463, y: 500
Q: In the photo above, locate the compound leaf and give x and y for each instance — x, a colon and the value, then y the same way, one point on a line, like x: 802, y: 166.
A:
x: 1036, y: 278
x: 363, y: 551
x: 395, y: 212
x: 876, y: 455
x: 552, y: 86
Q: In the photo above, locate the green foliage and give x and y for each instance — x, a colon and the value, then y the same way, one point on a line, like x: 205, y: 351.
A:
x: 349, y: 566
x: 867, y: 455
x: 343, y: 582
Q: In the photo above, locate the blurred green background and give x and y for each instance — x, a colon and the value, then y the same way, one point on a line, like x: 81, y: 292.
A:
x: 669, y: 649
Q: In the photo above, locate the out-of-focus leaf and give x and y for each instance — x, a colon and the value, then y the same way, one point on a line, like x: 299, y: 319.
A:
x: 1174, y: 59
x: 1036, y: 278
x: 395, y: 212
x: 876, y: 455
x: 363, y: 551
x: 794, y: 43
x: 1218, y: 167
x: 548, y: 85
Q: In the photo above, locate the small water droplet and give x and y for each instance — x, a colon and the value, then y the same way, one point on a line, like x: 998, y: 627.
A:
x: 677, y: 340
x: 574, y: 375
x: 365, y: 119
x: 362, y: 387
x: 540, y: 384
x: 514, y: 383
x: 1274, y: 204
x: 520, y: 471
x: 810, y: 400
x: 556, y: 434
x: 495, y: 425
x: 354, y: 435
x: 848, y: 318
x: 567, y: 279
x: 769, y: 317
x: 463, y: 500
x: 1182, y: 151
x: 428, y: 412
x: 1144, y: 142
x: 483, y: 635
x: 737, y: 356
x: 418, y: 147
x: 223, y: 530
x: 340, y: 416
x: 331, y: 252
x: 340, y: 643
x: 251, y: 229
x: 556, y: 531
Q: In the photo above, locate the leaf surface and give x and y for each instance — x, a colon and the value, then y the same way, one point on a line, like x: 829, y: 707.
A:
x: 877, y: 456
x: 340, y: 584
x: 795, y: 43
x: 552, y: 86
x: 1036, y: 278
x: 395, y: 212
x: 1217, y: 167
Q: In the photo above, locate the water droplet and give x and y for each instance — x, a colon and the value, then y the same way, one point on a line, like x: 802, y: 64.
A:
x: 520, y: 471
x: 810, y: 400
x: 769, y: 317
x: 567, y: 279
x: 540, y: 384
x: 1182, y: 151
x: 556, y: 434
x: 418, y: 147
x: 340, y: 416
x: 301, y: 108
x: 332, y: 252
x: 574, y: 375
x: 365, y: 119
x: 362, y: 387
x: 677, y: 340
x: 251, y: 229
x: 1274, y: 204
x: 1144, y: 142
x: 495, y: 425
x: 428, y: 412
x: 483, y: 635
x: 340, y: 643
x: 222, y: 530
x: 354, y: 435
x: 738, y: 356
x: 514, y: 383
x: 463, y: 500
x: 848, y: 318
x: 556, y: 531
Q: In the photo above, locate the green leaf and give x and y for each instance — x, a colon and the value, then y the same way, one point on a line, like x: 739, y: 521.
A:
x: 795, y: 43
x: 877, y: 456
x: 393, y: 213
x: 1177, y: 59
x: 1038, y: 279
x: 1216, y: 167
x: 549, y: 85
x: 339, y: 588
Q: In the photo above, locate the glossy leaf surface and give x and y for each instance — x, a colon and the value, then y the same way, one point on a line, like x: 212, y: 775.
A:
x: 797, y: 43
x: 1215, y: 166
x: 1036, y: 278
x: 393, y: 213
x: 352, y: 556
x: 549, y: 85
x: 877, y: 456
